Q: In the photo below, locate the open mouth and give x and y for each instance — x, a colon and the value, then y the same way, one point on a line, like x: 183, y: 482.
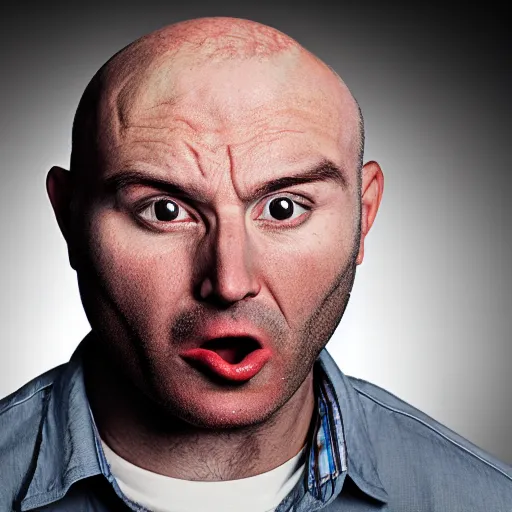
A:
x: 229, y: 359
x: 232, y: 349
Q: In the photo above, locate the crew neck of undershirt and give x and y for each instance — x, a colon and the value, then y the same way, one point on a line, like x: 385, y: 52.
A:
x: 159, y: 493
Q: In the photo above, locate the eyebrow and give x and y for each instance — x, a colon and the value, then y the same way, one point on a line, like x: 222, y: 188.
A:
x: 326, y: 170
x: 127, y: 178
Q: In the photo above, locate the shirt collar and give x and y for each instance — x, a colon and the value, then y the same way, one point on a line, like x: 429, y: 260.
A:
x: 344, y: 442
x: 68, y: 445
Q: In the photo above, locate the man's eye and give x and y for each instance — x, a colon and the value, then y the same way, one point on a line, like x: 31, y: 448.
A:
x: 282, y: 208
x: 164, y: 210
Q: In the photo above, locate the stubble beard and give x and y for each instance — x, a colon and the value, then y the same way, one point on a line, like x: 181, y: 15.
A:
x: 309, y: 342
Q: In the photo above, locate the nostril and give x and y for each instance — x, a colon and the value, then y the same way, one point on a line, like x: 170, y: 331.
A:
x: 206, y: 288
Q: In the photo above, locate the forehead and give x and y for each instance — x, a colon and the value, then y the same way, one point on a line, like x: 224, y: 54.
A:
x: 252, y: 105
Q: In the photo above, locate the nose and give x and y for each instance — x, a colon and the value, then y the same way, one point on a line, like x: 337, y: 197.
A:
x: 228, y: 274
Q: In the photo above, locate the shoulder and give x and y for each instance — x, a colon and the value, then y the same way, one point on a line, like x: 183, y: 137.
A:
x: 21, y: 415
x: 27, y: 400
x: 414, y: 451
x: 419, y: 456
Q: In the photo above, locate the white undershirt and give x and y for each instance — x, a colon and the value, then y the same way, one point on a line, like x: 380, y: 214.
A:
x: 159, y: 493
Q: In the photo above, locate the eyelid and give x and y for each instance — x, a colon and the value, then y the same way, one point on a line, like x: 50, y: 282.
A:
x: 146, y: 201
x: 285, y: 193
x: 298, y: 198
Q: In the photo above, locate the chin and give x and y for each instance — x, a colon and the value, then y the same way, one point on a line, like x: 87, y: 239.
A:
x: 223, y: 407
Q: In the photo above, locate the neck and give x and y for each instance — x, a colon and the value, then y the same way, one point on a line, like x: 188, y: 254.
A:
x: 142, y: 433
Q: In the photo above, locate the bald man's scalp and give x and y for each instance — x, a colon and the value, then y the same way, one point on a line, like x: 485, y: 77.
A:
x: 221, y: 37
x: 182, y: 47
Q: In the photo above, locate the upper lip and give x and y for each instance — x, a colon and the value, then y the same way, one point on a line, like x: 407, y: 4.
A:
x: 215, y: 330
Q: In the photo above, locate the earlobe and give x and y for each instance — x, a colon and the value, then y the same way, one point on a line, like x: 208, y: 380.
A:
x: 372, y: 188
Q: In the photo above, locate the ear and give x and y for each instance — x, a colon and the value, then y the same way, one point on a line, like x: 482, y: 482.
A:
x: 372, y: 188
x: 59, y: 185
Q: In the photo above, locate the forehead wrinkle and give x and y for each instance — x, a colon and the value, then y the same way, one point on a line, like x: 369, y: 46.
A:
x: 129, y: 103
x: 269, y: 137
x: 189, y: 164
x: 264, y: 121
x: 194, y: 142
x: 197, y: 158
x: 121, y: 101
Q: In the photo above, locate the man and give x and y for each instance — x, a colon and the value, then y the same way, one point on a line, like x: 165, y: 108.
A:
x: 215, y: 213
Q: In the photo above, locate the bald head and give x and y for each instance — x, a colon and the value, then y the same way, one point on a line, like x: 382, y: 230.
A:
x: 153, y: 71
x: 225, y: 193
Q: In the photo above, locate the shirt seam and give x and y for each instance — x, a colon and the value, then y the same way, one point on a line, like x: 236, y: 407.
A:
x: 8, y: 408
x: 433, y: 429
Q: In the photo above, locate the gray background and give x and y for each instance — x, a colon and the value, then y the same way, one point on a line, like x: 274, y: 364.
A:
x: 430, y: 317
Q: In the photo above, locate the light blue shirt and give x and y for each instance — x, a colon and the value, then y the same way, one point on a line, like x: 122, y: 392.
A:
x: 368, y: 451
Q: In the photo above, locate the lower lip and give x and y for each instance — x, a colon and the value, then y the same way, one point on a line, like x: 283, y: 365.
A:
x: 246, y: 369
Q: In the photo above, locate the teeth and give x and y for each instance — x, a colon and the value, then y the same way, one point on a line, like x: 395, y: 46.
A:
x: 234, y: 349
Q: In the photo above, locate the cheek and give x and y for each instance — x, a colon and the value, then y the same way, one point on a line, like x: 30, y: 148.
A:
x: 145, y: 274
x: 302, y: 266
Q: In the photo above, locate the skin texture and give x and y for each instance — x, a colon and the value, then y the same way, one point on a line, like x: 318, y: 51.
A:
x: 218, y: 107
